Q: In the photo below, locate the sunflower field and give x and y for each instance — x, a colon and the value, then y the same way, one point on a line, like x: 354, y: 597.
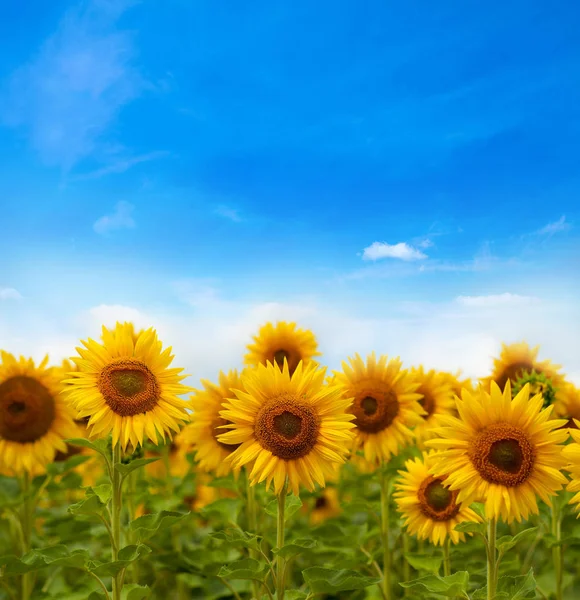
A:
x: 285, y: 481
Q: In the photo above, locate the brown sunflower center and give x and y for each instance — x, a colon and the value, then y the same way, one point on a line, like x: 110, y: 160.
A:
x: 502, y: 454
x: 375, y: 411
x: 436, y: 501
x: 427, y: 402
x: 26, y: 409
x: 129, y: 387
x: 513, y: 372
x: 292, y: 358
x: 215, y: 427
x: 287, y: 429
x: 321, y: 502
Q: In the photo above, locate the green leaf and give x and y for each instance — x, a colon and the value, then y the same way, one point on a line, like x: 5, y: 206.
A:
x: 291, y: 505
x: 225, y: 483
x: 451, y: 586
x: 295, y: 595
x: 127, y: 555
x: 39, y: 559
x: 134, y: 465
x: 101, y: 445
x: 61, y: 467
x: 522, y: 587
x: 329, y: 581
x: 507, y: 542
x: 237, y: 537
x: 224, y: 509
x: 134, y: 591
x: 103, y: 492
x: 148, y: 525
x: 247, y: 568
x: 421, y: 562
x: 91, y: 505
x: 295, y: 548
x: 470, y: 527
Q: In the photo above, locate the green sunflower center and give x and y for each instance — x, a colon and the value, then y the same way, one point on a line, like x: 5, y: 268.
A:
x: 506, y: 455
x: 129, y: 387
x: 369, y: 405
x: 436, y: 501
x: 539, y: 384
x: 27, y: 409
x: 287, y: 428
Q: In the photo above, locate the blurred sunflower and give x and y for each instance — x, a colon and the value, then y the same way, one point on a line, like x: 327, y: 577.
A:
x: 34, y: 418
x: 386, y: 405
x: 125, y: 386
x: 174, y: 464
x: 202, y: 433
x: 458, y: 383
x: 324, y: 506
x: 515, y: 361
x: 503, y: 452
x: 293, y: 427
x: 572, y: 453
x: 276, y: 343
x: 437, y: 399
x: 567, y: 404
x: 428, y: 508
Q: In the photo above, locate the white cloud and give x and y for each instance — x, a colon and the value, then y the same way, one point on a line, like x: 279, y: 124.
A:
x: 121, y: 218
x: 76, y: 84
x: 493, y: 300
x: 9, y: 294
x: 402, y: 251
x: 556, y: 227
x: 120, y: 165
x: 426, y: 243
x: 228, y: 213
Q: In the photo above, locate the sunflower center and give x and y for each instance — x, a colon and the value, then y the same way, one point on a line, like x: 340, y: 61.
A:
x: 513, y: 372
x: 129, y: 387
x: 26, y: 409
x: 436, y: 501
x: 427, y: 402
x: 375, y: 411
x: 279, y: 357
x: 288, y: 429
x: 216, y: 431
x: 321, y: 502
x: 502, y: 454
x: 292, y: 358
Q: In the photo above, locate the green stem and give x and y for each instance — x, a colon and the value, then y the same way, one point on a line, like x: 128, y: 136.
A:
x: 385, y: 537
x: 446, y: 559
x: 116, y: 500
x: 252, y: 524
x: 406, y: 565
x: 280, y: 562
x: 491, y: 559
x: 132, y: 485
x: 26, y: 522
x: 557, y: 555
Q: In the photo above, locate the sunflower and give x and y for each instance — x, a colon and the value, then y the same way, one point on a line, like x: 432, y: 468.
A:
x: 503, y: 452
x: 325, y: 506
x: 437, y: 400
x: 125, y: 386
x: 428, y: 508
x: 567, y: 403
x: 276, y: 343
x: 202, y: 433
x: 385, y: 405
x: 515, y: 361
x: 34, y: 418
x: 292, y: 426
x: 174, y: 464
x: 572, y: 453
x: 458, y: 383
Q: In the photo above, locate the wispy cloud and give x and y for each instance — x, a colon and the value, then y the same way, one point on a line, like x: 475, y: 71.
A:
x: 119, y: 166
x: 73, y: 89
x: 402, y: 251
x: 9, y: 294
x: 556, y: 227
x: 121, y: 218
x: 493, y: 300
x: 228, y: 213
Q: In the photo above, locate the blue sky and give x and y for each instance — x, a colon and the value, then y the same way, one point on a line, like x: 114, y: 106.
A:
x: 363, y: 169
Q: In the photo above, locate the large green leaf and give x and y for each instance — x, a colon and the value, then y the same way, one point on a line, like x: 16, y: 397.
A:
x: 507, y: 542
x: 125, y: 469
x: 34, y: 560
x: 422, y: 562
x: 291, y: 505
x: 127, y: 555
x: 237, y: 537
x: 148, y: 525
x: 450, y: 586
x: 247, y: 568
x: 295, y: 547
x: 330, y: 581
x: 511, y: 588
x: 101, y: 445
x: 133, y: 591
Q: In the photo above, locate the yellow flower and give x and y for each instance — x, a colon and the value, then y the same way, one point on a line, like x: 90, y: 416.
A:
x: 437, y: 400
x: 567, y: 404
x: 325, y: 506
x: 125, y: 386
x: 386, y: 405
x: 516, y: 360
x: 504, y: 452
x: 288, y: 426
x: 282, y: 342
x: 34, y: 418
x: 428, y: 508
x: 202, y: 433
x: 572, y: 453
